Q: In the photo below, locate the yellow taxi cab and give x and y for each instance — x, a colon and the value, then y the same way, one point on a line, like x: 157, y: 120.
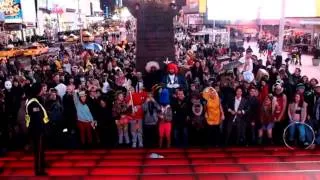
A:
x: 35, y: 50
x: 72, y: 38
x: 10, y: 52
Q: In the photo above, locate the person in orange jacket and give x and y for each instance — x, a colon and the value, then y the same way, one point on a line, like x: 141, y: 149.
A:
x: 214, y: 115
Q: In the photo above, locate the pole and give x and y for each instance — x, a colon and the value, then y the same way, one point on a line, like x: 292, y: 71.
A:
x: 58, y: 22
x: 213, y: 32
x: 281, y: 28
x: 80, y: 24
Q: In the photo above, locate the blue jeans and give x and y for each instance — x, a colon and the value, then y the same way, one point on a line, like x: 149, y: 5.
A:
x: 180, y: 136
x: 301, y: 130
x: 136, y: 133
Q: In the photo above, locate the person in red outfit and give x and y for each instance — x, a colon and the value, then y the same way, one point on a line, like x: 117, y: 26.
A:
x: 136, y: 100
x: 264, y: 90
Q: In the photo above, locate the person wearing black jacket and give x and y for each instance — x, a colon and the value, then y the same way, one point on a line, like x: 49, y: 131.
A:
x: 236, y: 114
x: 179, y: 111
x: 93, y: 104
x: 3, y: 126
x: 106, y: 127
x: 36, y: 120
x: 254, y: 106
x: 69, y: 111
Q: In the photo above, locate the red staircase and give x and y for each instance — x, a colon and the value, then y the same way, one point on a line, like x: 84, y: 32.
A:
x: 184, y: 164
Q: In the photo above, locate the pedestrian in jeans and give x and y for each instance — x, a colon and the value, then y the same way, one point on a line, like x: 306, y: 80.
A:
x: 297, y: 112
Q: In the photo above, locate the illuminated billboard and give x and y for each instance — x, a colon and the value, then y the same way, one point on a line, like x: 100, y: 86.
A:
x: 265, y: 9
x: 11, y: 10
x: 202, y: 6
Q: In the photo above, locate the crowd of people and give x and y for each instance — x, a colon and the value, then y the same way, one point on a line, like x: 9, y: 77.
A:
x: 99, y: 99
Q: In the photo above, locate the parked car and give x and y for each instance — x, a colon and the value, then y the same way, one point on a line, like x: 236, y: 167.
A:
x: 11, y: 52
x: 36, y: 49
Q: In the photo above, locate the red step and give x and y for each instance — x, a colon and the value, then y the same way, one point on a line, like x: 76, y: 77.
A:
x: 167, y: 177
x: 191, y: 164
x: 68, y: 171
x: 282, y: 176
x: 115, y: 171
x: 218, y: 168
x: 269, y: 167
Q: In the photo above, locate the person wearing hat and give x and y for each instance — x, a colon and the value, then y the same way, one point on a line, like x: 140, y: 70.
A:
x: 152, y: 75
x: 173, y: 80
x: 301, y: 89
x: 36, y: 119
x: 85, y: 121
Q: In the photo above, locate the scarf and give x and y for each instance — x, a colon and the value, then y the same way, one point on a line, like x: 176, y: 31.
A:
x: 151, y: 108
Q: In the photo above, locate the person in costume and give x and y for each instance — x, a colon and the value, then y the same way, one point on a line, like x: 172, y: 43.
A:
x: 214, y: 115
x: 173, y: 80
x: 152, y: 75
x: 165, y: 118
x: 36, y: 120
x: 136, y: 100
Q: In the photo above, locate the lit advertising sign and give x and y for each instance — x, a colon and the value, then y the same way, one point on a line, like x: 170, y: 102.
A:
x: 29, y: 12
x: 268, y: 9
x: 318, y: 8
x: 271, y: 9
x: 192, y: 3
x: 11, y: 10
x: 202, y: 6
x: 46, y: 4
x: 232, y: 9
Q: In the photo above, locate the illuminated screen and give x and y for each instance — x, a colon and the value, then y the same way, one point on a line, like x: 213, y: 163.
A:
x: 268, y: 9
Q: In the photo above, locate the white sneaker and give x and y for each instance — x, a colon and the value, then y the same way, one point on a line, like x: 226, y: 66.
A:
x: 134, y: 145
x: 140, y: 145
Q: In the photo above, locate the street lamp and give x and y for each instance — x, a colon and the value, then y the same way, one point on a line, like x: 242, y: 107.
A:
x: 281, y: 28
x: 80, y: 22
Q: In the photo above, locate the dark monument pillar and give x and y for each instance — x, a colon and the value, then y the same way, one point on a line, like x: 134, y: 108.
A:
x: 155, y: 33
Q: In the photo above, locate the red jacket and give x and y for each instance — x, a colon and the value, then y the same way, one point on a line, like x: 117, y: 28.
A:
x: 264, y: 92
x: 138, y: 99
